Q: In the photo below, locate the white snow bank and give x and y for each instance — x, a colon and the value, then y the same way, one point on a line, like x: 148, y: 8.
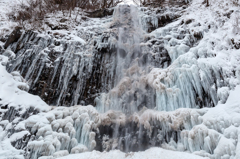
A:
x: 152, y: 153
x: 228, y: 112
x: 11, y: 95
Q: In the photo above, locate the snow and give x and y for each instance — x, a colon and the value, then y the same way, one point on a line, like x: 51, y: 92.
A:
x: 11, y: 95
x: 230, y: 110
x: 13, y: 88
x: 195, y: 66
x: 152, y: 153
x: 6, y: 149
x: 6, y: 25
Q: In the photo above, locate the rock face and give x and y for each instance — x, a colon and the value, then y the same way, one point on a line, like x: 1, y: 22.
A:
x: 61, y: 73
x: 69, y: 73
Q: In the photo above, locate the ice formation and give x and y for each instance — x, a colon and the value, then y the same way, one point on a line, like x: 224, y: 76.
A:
x: 138, y: 79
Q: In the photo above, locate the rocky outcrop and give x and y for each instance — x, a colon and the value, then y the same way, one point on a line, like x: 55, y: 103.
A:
x: 13, y: 37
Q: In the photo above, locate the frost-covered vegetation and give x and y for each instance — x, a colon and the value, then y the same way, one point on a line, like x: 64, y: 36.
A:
x: 31, y: 14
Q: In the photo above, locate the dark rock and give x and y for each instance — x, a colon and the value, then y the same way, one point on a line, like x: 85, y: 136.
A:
x: 100, y: 13
x: 21, y: 143
x: 60, y: 27
x: 57, y: 43
x: 162, y: 21
x: 84, y: 18
x: 14, y: 36
x: 63, y: 20
x: 166, y: 19
x: 4, y: 106
x: 133, y: 137
x: 1, y: 49
x: 57, y: 27
x: 229, y: 13
x: 198, y: 35
x: 29, y: 112
x: 3, y: 38
x: 188, y: 21
x: 236, y: 44
x: 11, y: 114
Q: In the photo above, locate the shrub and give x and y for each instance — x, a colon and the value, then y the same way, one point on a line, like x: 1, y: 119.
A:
x: 33, y: 12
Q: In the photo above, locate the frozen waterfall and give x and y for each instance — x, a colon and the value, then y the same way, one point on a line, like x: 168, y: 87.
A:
x: 137, y: 79
x: 130, y: 92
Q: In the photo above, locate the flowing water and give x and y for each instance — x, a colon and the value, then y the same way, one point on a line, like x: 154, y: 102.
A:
x: 131, y: 92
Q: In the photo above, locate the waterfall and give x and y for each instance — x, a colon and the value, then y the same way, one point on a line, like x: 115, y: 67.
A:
x: 131, y: 92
